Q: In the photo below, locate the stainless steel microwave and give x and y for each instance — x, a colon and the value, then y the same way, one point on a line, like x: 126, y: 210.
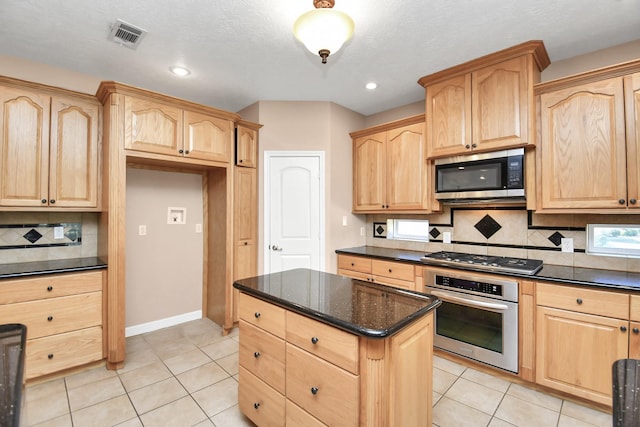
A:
x: 493, y: 175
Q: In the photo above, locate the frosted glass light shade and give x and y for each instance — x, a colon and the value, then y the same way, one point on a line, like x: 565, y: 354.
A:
x: 323, y: 29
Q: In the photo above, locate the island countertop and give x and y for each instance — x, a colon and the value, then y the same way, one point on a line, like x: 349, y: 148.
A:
x: 365, y: 309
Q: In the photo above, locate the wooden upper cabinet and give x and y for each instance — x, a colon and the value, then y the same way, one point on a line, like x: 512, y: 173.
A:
x: 246, y: 147
x: 485, y: 104
x: 369, y: 181
x: 449, y: 112
x: 49, y: 154
x: 207, y: 137
x: 245, y: 205
x: 632, y: 109
x: 582, y: 152
x: 152, y: 127
x: 406, y: 168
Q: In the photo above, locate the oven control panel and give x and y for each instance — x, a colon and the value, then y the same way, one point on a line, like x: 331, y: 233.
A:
x: 469, y: 285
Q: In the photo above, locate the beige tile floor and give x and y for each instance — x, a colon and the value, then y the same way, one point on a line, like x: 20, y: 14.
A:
x: 187, y: 375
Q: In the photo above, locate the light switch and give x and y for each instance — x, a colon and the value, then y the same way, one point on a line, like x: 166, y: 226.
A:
x: 198, y: 228
x: 344, y: 220
x: 142, y: 230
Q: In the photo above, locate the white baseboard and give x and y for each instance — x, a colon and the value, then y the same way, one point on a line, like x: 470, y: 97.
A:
x: 162, y: 323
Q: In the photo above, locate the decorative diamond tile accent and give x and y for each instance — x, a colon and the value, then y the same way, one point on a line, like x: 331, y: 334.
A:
x: 72, y: 234
x: 434, y: 232
x: 556, y: 238
x: 32, y: 235
x: 487, y: 226
x: 380, y: 229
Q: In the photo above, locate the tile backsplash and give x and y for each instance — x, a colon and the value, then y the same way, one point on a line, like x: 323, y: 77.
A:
x: 512, y: 232
x: 29, y: 236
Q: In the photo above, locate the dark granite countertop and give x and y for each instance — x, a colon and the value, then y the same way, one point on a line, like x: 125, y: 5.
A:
x: 362, y: 308
x: 552, y: 273
x: 25, y: 269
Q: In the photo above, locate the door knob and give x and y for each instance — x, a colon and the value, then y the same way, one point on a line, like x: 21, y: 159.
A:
x: 275, y: 248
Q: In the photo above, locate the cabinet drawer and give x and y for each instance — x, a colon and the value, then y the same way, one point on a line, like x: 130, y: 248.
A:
x: 62, y: 351
x: 52, y: 286
x: 263, y: 355
x: 296, y: 416
x: 395, y: 270
x: 57, y: 315
x: 354, y: 263
x: 325, y: 391
x: 262, y: 404
x: 336, y: 346
x: 634, y: 309
x: 262, y: 314
x: 589, y: 301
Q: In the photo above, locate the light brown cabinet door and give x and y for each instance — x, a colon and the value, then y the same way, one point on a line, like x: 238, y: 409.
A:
x: 448, y: 116
x: 575, y: 352
x: 74, y: 153
x: 245, y: 200
x: 246, y: 147
x: 406, y: 168
x: 152, y: 127
x: 369, y: 183
x: 500, y: 105
x: 207, y: 137
x: 582, y: 147
x: 634, y: 340
x: 24, y: 148
x: 632, y: 108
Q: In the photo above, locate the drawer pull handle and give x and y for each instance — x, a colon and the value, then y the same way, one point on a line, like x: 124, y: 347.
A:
x: 49, y: 288
x: 353, y: 264
x: 256, y: 354
x: 636, y: 330
x: 50, y: 356
x: 314, y: 390
x: 314, y: 340
x: 257, y: 314
x: 50, y: 318
x: 623, y: 328
x: 256, y: 405
x: 389, y: 270
x: 579, y: 300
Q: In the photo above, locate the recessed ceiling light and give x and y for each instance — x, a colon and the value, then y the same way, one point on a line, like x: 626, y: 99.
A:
x: 371, y: 85
x: 179, y: 71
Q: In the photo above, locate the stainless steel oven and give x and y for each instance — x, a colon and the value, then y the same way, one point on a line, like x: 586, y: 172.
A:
x: 478, y: 318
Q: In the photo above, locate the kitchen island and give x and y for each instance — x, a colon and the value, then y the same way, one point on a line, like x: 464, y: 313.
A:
x: 317, y: 348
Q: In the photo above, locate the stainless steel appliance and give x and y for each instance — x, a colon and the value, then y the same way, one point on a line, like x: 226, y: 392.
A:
x: 478, y: 317
x: 483, y: 262
x: 494, y: 175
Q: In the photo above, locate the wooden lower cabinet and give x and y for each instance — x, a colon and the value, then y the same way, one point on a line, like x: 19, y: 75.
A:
x: 332, y: 377
x: 390, y: 273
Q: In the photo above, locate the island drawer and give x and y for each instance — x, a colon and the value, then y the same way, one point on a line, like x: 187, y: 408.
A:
x: 634, y: 310
x: 262, y: 314
x: 334, y: 345
x: 51, y: 286
x: 263, y: 355
x: 262, y: 404
x: 354, y: 263
x: 54, y: 316
x: 62, y: 351
x: 395, y: 270
x: 296, y: 416
x: 324, y: 390
x: 583, y: 300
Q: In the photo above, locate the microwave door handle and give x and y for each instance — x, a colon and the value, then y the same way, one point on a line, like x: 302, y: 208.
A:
x: 472, y: 303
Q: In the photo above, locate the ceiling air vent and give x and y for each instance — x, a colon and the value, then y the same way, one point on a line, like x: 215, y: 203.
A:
x: 126, y: 34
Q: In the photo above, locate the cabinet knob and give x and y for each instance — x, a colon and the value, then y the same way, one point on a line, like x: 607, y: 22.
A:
x: 353, y: 264
x: 579, y: 300
x: 256, y: 405
x: 256, y: 354
x: 623, y: 328
x: 181, y: 151
x: 257, y: 314
x: 52, y: 201
x: 314, y: 390
x: 636, y: 330
x: 474, y: 145
x: 382, y: 206
x: 621, y: 201
x: 467, y: 146
x: 246, y: 243
x: 50, y: 356
x: 389, y: 270
x: 44, y: 200
x: 240, y: 161
x: 50, y: 318
x: 632, y: 201
x: 49, y: 288
x: 314, y: 340
x: 186, y: 152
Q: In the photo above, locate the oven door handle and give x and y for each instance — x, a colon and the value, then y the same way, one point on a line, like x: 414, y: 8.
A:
x: 472, y: 303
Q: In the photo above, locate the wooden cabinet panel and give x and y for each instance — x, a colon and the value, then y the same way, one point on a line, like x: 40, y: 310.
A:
x: 262, y: 404
x: 296, y: 417
x: 263, y: 355
x: 396, y: 270
x: 590, y: 301
x: 56, y: 352
x: 355, y: 263
x: 406, y: 168
x: 634, y: 308
x: 246, y: 147
x: 582, y: 159
x: 369, y: 159
x: 322, y: 389
x: 567, y: 359
x: 51, y: 286
x: 336, y: 346
x: 245, y: 201
x: 262, y: 314
x: 634, y: 340
x: 632, y: 119
x: 207, y: 137
x: 152, y: 127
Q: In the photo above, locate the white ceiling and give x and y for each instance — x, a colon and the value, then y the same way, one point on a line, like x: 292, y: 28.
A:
x: 243, y: 51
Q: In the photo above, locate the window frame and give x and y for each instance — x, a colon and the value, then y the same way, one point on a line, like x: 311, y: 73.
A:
x: 593, y: 249
x: 393, y: 234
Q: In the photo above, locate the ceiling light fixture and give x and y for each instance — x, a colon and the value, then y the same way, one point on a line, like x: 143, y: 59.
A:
x: 323, y: 30
x: 371, y: 85
x: 179, y: 71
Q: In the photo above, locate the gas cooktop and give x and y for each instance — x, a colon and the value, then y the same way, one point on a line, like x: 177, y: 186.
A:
x: 484, y: 262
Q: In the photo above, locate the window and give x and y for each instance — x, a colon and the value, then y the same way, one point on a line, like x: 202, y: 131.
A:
x: 408, y: 229
x: 613, y: 240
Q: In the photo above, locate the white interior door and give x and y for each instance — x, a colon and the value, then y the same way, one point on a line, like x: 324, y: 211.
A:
x: 293, y: 207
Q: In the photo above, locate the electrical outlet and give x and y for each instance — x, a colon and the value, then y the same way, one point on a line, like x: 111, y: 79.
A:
x: 446, y: 237
x: 198, y: 228
x: 566, y: 244
x: 362, y: 231
x: 344, y: 220
x: 58, y: 233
